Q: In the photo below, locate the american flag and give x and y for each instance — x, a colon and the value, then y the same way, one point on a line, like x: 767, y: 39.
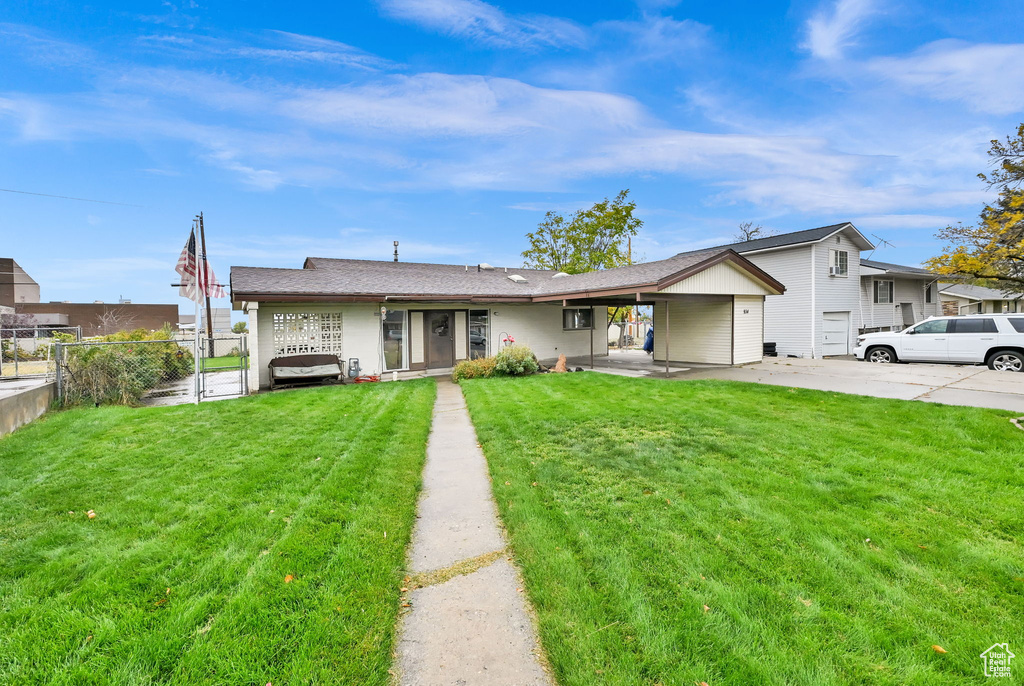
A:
x: 196, y: 275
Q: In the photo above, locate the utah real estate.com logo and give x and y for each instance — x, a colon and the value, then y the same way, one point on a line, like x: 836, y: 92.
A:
x: 997, y: 660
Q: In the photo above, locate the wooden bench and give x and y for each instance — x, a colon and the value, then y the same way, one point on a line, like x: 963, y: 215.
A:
x: 303, y: 369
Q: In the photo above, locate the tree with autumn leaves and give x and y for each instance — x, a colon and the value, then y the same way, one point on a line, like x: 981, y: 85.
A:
x: 991, y: 253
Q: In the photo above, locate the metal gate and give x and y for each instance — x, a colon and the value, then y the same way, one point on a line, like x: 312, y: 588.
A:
x: 224, y: 366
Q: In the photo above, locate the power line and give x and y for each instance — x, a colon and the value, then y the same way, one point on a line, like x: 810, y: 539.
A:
x: 68, y: 197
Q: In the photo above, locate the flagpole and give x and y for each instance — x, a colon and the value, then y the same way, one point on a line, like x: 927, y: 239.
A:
x: 197, y: 352
x: 206, y: 290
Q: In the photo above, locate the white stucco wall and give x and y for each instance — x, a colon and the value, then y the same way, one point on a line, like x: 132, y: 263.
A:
x: 538, y: 326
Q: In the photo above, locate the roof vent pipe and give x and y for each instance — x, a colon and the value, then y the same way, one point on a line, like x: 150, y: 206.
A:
x: 396, y: 251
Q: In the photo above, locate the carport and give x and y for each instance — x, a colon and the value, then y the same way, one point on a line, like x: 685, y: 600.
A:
x: 708, y: 312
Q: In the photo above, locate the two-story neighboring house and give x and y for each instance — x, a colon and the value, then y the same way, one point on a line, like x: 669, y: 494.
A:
x: 832, y: 295
x: 820, y: 313
x: 894, y: 296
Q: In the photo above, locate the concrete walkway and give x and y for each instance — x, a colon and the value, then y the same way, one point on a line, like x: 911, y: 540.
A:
x: 469, y: 622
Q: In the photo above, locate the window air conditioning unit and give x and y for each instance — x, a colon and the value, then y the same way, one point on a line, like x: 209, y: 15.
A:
x: 834, y: 271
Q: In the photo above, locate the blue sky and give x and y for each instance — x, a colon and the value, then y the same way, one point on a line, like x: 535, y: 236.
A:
x: 452, y: 126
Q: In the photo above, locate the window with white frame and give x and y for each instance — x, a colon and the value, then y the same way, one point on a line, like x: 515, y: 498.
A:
x: 883, y: 292
x: 928, y: 293
x: 575, y: 319
x: 394, y: 339
x: 840, y: 264
x: 298, y: 333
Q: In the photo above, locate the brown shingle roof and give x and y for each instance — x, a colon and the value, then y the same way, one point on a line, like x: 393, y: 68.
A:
x: 340, y: 277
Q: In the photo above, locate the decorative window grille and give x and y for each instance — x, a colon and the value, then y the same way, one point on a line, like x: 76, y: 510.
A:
x: 297, y: 333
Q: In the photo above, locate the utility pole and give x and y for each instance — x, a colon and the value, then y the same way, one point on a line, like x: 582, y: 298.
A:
x: 206, y: 289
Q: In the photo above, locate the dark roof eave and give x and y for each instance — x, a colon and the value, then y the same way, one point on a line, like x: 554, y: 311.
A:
x: 369, y: 297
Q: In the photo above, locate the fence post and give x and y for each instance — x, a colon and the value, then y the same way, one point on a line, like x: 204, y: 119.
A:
x: 15, y: 339
x: 58, y: 357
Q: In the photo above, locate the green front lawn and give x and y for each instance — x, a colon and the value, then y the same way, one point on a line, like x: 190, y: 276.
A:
x: 227, y: 361
x: 682, y: 532
x: 238, y: 542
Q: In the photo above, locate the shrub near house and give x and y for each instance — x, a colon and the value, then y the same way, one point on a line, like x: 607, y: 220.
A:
x: 514, y: 360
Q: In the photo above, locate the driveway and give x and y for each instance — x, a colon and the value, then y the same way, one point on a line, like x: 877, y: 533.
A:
x: 936, y: 383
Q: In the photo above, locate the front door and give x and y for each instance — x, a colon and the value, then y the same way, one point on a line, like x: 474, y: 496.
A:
x: 907, y: 309
x: 439, y: 335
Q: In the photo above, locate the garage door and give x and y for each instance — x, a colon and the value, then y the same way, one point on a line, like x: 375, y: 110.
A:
x: 836, y: 330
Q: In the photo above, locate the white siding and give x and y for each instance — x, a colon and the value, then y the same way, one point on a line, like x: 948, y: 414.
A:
x: 748, y: 321
x: 886, y: 315
x: 416, y: 337
x: 794, y: 321
x: 255, y: 358
x: 787, y: 318
x: 536, y: 325
x: 836, y: 293
x: 461, y: 342
x: 700, y: 331
x: 721, y: 279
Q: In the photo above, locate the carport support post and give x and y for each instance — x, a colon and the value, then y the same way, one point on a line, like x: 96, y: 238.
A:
x: 593, y: 330
x: 666, y: 337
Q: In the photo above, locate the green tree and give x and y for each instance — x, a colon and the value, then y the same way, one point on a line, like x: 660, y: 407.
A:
x: 1008, y: 160
x: 240, y: 327
x: 591, y: 239
x: 992, y: 252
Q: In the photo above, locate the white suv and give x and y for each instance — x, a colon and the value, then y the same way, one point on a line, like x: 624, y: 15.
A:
x: 993, y: 339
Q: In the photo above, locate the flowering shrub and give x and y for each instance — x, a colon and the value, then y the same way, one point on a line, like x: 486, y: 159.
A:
x: 515, y: 360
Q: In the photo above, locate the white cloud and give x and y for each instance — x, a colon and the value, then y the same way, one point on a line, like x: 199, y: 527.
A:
x: 829, y: 34
x: 905, y: 221
x: 485, y: 23
x: 655, y: 38
x: 353, y: 244
x: 41, y: 47
x: 456, y: 105
x: 428, y: 131
x: 986, y: 77
x: 270, y: 46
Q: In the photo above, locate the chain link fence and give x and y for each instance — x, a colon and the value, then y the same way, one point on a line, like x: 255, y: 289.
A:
x: 148, y: 372
x: 124, y: 372
x: 225, y: 366
x: 30, y: 351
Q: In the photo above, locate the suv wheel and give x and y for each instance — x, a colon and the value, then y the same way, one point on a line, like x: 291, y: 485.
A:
x: 1006, y: 361
x: 881, y: 355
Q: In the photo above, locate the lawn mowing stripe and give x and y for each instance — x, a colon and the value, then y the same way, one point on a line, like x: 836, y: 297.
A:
x: 199, y: 663
x: 200, y: 591
x: 884, y: 470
